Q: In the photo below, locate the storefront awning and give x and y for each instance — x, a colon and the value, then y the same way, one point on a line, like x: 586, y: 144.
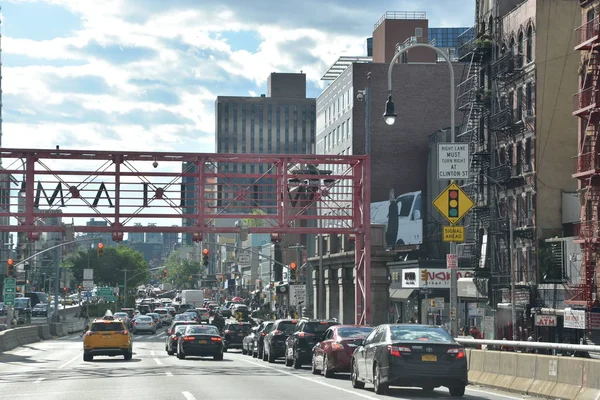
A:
x: 400, y: 294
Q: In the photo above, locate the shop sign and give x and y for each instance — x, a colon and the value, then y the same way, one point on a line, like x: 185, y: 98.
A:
x: 436, y: 278
x: 545, y: 320
x: 574, y: 319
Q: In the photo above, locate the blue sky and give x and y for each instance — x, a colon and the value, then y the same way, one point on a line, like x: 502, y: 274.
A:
x: 144, y: 74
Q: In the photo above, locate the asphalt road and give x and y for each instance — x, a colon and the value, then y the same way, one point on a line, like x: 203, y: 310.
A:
x: 54, y: 369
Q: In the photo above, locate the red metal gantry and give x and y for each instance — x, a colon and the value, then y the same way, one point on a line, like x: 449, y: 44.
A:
x: 284, y: 192
x: 587, y: 108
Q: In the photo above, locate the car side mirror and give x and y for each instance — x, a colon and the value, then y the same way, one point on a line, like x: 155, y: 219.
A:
x: 359, y: 342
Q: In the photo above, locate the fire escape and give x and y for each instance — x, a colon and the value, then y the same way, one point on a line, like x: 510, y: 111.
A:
x: 474, y: 100
x: 587, y: 108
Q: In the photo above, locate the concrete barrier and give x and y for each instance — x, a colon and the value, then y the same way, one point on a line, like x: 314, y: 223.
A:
x: 44, y: 332
x: 56, y: 330
x: 13, y: 338
x: 550, y: 377
x: 73, y: 327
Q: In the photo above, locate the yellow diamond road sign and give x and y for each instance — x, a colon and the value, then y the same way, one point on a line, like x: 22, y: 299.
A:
x: 453, y: 203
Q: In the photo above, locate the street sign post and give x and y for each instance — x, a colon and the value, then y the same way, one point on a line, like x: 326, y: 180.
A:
x: 297, y: 294
x: 453, y: 161
x: 452, y: 261
x: 88, y: 285
x: 244, y: 259
x: 454, y: 233
x: 453, y: 203
x: 88, y: 274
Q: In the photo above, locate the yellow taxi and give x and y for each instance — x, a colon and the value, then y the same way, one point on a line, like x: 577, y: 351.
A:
x: 107, y: 337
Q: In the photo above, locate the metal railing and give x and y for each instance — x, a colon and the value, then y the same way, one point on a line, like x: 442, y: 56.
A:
x: 586, y: 33
x: 584, y: 100
x: 401, y: 15
x: 529, y: 345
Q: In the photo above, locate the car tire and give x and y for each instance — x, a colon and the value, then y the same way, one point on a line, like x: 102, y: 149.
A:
x: 326, y: 371
x: 356, y: 384
x: 296, y: 361
x: 244, y: 352
x: 170, y: 353
x: 180, y: 356
x: 378, y: 387
x: 88, y: 357
x: 270, y: 357
x: 264, y: 355
x: 128, y: 356
x: 224, y: 349
x: 218, y: 357
x: 457, y: 391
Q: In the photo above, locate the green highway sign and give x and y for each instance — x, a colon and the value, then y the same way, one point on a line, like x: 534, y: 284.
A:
x: 9, y: 290
x: 105, y: 291
x: 9, y: 299
x: 10, y: 282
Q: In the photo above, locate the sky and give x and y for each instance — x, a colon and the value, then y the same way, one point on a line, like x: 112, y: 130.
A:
x: 144, y: 74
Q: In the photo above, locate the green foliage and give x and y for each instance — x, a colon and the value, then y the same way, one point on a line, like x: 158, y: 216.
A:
x: 255, y: 222
x: 108, y: 269
x: 179, y: 270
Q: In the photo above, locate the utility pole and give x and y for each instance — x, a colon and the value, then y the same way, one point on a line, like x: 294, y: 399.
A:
x: 56, y: 283
x: 125, y: 289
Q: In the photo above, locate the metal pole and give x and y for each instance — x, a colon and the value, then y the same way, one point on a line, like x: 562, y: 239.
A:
x: 125, y: 290
x: 56, y: 283
x: 513, y: 307
x: 321, y: 297
x: 238, y: 247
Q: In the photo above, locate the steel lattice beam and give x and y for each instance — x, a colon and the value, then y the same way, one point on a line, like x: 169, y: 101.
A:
x: 192, y: 189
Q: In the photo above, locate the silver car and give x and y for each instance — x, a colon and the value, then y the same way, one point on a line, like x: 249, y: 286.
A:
x: 144, y: 323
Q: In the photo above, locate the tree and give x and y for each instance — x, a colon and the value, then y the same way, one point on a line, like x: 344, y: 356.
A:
x: 109, y: 268
x: 256, y: 222
x: 180, y: 269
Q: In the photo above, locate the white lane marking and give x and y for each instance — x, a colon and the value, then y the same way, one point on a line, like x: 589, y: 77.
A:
x: 162, y: 334
x: 353, y: 392
x: 38, y: 380
x: 168, y: 373
x: 154, y: 358
x: 188, y: 396
x: 494, y: 394
x: 70, y: 361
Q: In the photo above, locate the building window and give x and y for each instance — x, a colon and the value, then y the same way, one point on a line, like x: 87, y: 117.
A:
x: 521, y: 43
x: 528, y: 153
x: 519, y: 104
x: 529, y: 53
x: 529, y: 98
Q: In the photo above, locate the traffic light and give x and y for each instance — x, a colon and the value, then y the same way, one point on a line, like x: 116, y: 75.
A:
x: 65, y: 290
x: 164, y: 273
x: 11, y: 267
x: 453, y: 203
x: 205, y: 257
x: 79, y: 289
x: 100, y: 249
x: 424, y: 275
x: 293, y: 271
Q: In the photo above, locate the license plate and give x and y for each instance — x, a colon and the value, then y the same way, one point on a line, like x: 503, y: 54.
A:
x: 202, y: 341
x: 429, y: 358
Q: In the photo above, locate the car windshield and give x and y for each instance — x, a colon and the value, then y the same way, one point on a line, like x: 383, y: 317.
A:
x: 354, y: 332
x: 161, y: 311
x: 288, y: 327
x: 268, y: 327
x: 239, y: 327
x: 403, y: 333
x: 107, y: 327
x: 144, y: 318
x: 202, y: 330
x: 183, y: 317
x: 318, y: 328
x: 22, y: 302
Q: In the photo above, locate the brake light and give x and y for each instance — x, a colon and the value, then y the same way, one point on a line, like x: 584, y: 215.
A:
x: 263, y: 334
x: 89, y: 333
x: 188, y: 338
x: 397, y: 351
x: 174, y: 338
x: 304, y: 334
x: 337, y: 346
x: 227, y: 331
x: 294, y: 321
x: 170, y: 331
x: 216, y: 339
x: 277, y: 332
x: 323, y: 322
x: 125, y: 332
x: 460, y: 353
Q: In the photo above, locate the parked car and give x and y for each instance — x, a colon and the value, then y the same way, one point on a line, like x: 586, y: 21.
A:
x: 299, y: 345
x: 249, y: 340
x: 263, y: 330
x: 234, y: 334
x: 274, y: 346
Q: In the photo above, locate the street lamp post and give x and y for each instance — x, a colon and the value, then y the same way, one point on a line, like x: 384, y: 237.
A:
x: 390, y: 118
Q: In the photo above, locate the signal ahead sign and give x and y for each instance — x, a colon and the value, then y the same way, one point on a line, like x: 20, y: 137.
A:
x: 453, y: 203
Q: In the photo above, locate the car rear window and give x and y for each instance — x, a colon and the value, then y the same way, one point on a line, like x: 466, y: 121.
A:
x: 238, y: 327
x: 202, y: 330
x: 144, y: 319
x: 402, y: 333
x: 107, y: 327
x: 120, y: 315
x: 355, y: 332
x: 318, y: 328
x: 160, y: 311
x: 180, y: 328
x: 288, y: 327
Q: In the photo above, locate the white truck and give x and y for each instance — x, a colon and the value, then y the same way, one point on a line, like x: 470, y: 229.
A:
x: 194, y: 298
x: 410, y: 221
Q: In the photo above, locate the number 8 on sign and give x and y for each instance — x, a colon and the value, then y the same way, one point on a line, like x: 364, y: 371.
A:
x: 453, y: 203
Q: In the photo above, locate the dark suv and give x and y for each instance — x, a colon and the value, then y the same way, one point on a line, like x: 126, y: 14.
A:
x: 234, y: 334
x: 298, y: 346
x: 263, y: 330
x: 274, y: 346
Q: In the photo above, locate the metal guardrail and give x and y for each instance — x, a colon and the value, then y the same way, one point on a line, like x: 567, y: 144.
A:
x: 530, y: 345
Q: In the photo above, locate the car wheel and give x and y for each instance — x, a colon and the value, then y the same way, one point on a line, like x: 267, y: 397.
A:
x: 313, y: 367
x: 88, y: 357
x: 379, y: 388
x: 264, y: 355
x: 129, y: 355
x: 354, y: 376
x: 224, y: 349
x: 170, y: 353
x: 457, y: 391
x: 326, y: 371
x: 270, y: 357
x: 296, y: 361
x: 218, y: 357
x: 244, y: 351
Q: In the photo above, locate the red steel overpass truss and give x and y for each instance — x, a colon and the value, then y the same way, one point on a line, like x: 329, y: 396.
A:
x: 279, y: 194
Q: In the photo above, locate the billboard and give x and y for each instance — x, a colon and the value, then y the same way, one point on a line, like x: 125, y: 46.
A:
x: 406, y: 223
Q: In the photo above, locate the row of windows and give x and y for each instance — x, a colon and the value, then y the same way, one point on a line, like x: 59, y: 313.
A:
x: 445, y: 37
x: 338, y: 135
x: 336, y: 108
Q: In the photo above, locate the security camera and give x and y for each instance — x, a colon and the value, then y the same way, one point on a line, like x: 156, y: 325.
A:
x: 360, y: 96
x: 155, y: 164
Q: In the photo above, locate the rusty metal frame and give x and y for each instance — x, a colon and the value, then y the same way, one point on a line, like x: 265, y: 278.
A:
x: 281, y: 188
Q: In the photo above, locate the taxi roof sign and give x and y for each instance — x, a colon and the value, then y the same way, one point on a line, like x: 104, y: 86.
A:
x: 453, y: 203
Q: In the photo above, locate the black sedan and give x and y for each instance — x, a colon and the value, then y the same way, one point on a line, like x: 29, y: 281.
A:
x: 200, y: 341
x: 173, y: 339
x: 410, y: 355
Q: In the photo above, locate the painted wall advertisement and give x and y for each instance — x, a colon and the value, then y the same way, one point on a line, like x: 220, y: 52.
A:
x: 436, y: 278
x: 407, y: 228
